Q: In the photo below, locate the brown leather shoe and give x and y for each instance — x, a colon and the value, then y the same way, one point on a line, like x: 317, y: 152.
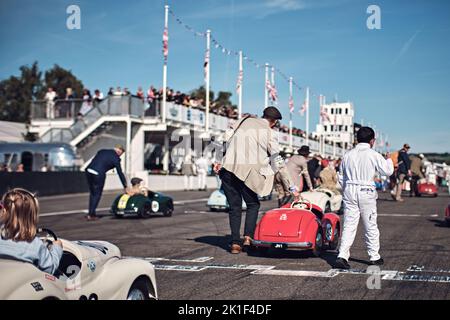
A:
x: 91, y: 218
x: 235, y: 248
x: 247, y: 241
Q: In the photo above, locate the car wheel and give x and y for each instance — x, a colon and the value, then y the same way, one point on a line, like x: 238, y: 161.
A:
x: 259, y: 251
x: 168, y: 212
x: 146, y: 210
x: 318, y: 245
x: 334, y: 244
x: 139, y: 290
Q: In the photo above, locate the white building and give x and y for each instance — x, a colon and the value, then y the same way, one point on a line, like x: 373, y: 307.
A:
x: 336, y: 126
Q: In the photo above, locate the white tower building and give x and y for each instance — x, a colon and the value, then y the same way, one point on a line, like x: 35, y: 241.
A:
x: 337, y: 126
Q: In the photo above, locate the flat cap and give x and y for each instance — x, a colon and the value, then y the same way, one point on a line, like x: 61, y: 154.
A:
x: 272, y: 113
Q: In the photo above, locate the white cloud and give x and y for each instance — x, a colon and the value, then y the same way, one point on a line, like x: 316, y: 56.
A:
x: 406, y: 46
x: 285, y: 4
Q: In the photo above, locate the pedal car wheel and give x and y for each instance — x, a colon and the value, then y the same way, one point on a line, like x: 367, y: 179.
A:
x: 146, y: 210
x: 318, y: 245
x: 168, y: 212
x: 138, y: 290
x: 334, y: 244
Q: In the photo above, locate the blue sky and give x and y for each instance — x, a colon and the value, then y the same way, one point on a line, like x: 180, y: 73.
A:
x: 396, y: 77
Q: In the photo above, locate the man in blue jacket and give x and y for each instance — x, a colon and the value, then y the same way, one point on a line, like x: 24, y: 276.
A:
x: 104, y: 160
x: 404, y: 170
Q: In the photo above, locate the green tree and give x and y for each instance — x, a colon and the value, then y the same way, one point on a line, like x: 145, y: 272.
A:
x: 17, y: 92
x: 200, y: 93
x: 60, y: 79
x: 223, y: 99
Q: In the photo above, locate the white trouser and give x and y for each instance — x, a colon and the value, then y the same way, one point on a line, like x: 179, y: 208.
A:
x: 360, y: 201
x: 188, y: 182
x: 50, y: 111
x: 201, y: 174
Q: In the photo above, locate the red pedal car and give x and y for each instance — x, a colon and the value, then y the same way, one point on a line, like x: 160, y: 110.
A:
x: 428, y: 189
x: 300, y: 225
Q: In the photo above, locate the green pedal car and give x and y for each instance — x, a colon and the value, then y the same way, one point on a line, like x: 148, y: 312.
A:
x: 142, y: 206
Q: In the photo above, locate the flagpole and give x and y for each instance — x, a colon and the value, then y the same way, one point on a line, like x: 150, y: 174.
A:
x: 307, y: 115
x: 323, y: 138
x: 208, y: 47
x: 266, y: 93
x: 290, y: 114
x: 241, y: 80
x: 163, y: 108
x: 272, y: 76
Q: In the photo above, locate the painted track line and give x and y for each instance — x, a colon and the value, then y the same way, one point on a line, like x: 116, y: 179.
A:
x: 84, y: 211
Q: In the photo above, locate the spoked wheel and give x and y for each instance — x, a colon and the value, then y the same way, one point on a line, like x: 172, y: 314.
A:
x: 146, y: 210
x: 335, y: 243
x: 318, y: 246
x: 139, y: 291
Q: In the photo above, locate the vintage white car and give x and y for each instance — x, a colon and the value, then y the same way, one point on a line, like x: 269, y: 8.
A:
x: 326, y: 199
x: 89, y: 270
x: 217, y: 201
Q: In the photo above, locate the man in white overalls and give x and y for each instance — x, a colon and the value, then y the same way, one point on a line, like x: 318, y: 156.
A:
x: 356, y: 177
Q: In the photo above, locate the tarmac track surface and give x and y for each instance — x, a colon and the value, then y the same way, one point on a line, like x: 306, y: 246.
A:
x: 189, y: 251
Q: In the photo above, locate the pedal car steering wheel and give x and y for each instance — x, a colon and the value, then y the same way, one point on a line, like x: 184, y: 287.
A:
x: 302, y: 204
x: 49, y: 234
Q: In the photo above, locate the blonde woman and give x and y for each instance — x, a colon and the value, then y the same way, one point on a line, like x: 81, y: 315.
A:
x: 18, y: 225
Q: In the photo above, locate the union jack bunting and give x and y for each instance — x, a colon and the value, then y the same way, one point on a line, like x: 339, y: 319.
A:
x: 303, y: 109
x: 205, y: 65
x: 324, y: 115
x: 239, y: 81
x: 272, y: 91
x: 165, y: 43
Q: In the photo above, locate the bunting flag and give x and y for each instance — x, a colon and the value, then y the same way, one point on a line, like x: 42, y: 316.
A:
x: 291, y: 104
x: 272, y: 91
x: 165, y: 43
x: 205, y: 65
x: 239, y: 81
x: 324, y: 115
x: 303, y: 109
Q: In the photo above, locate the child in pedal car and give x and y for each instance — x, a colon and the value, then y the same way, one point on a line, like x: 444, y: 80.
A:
x: 19, y: 212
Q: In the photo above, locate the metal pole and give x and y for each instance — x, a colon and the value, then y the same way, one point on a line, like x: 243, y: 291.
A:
x: 241, y: 79
x: 128, y: 148
x: 163, y: 107
x: 208, y: 45
x: 266, y: 93
x: 307, y: 115
x: 290, y: 115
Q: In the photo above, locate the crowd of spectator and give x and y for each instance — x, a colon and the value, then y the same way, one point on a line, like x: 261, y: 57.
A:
x: 152, y: 98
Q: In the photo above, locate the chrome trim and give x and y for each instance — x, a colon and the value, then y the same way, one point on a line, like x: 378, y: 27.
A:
x: 302, y: 245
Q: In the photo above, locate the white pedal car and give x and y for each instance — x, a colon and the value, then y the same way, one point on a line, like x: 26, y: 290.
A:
x: 327, y: 200
x: 89, y: 270
x: 218, y: 202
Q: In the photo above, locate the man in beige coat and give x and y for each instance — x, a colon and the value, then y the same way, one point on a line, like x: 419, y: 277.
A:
x: 247, y: 170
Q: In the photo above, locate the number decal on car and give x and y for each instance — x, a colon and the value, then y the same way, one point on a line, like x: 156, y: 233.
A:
x: 123, y: 201
x: 155, y: 206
